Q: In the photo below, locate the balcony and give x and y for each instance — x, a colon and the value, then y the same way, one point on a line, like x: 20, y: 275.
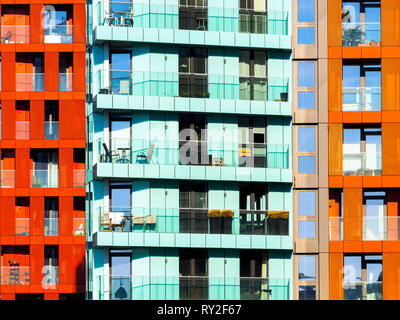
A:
x: 65, y: 81
x: 15, y: 34
x: 361, y: 34
x: 51, y: 130
x: 58, y: 34
x: 362, y: 99
x: 79, y: 178
x: 22, y: 226
x: 174, y: 84
x: 15, y: 275
x: 51, y: 227
x: 193, y: 220
x: 8, y: 178
x: 362, y: 290
x: 205, y: 153
x: 78, y: 227
x: 22, y: 129
x: 51, y: 277
x: 362, y: 164
x: 29, y: 81
x: 373, y: 228
x: 211, y: 18
x: 44, y: 178
x: 192, y: 288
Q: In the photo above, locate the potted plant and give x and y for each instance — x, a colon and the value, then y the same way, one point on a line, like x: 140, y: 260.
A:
x: 227, y: 216
x: 284, y: 96
x: 215, y: 220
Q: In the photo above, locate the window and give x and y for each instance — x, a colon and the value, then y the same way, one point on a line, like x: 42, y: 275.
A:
x: 252, y: 137
x: 253, y: 75
x: 305, y: 11
x: 306, y: 229
x: 65, y: 71
x: 306, y: 100
x: 361, y: 23
x: 120, y: 280
x: 253, y: 274
x: 362, y: 277
x: 58, y: 24
x: 193, y: 140
x: 306, y: 85
x: 306, y: 136
x: 193, y: 15
x: 307, y: 293
x: 193, y: 271
x: 193, y: 204
x: 193, y: 68
x: 120, y: 73
x: 253, y: 16
x: 306, y: 164
x: 51, y: 119
x: 307, y: 268
x: 51, y: 265
x: 306, y: 203
x: 374, y: 212
x: 306, y: 74
x: 305, y: 35
x: 15, y: 24
x: 44, y: 171
x: 362, y: 151
x: 51, y: 216
x: 362, y: 87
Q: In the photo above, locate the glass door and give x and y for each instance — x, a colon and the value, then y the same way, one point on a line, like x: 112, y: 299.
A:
x: 121, y: 72
x: 120, y: 140
x: 120, y: 279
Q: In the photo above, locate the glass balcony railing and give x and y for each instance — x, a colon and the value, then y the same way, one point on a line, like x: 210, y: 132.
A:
x: 58, y: 34
x: 15, y: 275
x: 78, y: 228
x: 211, y: 18
x: 362, y: 99
x: 51, y: 130
x: 29, y: 81
x: 8, y: 178
x: 66, y: 81
x: 174, y: 84
x: 44, y: 178
x: 192, y: 288
x: 79, y: 178
x: 15, y: 34
x: 22, y: 129
x: 51, y: 226
x: 206, y: 153
x: 51, y: 276
x: 22, y: 226
x: 194, y: 220
x: 373, y: 228
x: 362, y: 164
x: 362, y: 290
x: 361, y: 34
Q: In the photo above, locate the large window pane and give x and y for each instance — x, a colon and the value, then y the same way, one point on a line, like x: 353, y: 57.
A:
x: 305, y: 35
x: 306, y: 139
x: 307, y: 293
x: 305, y: 11
x: 306, y: 74
x: 307, y: 268
x: 306, y: 229
x: 306, y: 203
x: 306, y: 100
x: 306, y: 164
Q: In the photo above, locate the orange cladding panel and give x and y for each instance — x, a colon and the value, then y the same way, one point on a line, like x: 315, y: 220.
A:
x: 390, y: 149
x: 352, y: 213
x: 335, y: 276
x: 390, y: 22
x: 335, y: 149
x: 335, y: 85
x: 334, y: 23
x: 391, y: 84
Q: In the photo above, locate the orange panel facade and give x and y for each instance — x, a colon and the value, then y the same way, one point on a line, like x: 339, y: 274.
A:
x: 42, y: 240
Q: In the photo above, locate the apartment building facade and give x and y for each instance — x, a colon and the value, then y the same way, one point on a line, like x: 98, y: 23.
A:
x: 189, y: 150
x: 42, y: 146
x: 345, y: 149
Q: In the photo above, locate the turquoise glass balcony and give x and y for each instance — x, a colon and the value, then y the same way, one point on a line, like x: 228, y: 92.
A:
x: 209, y: 18
x: 193, y: 220
x: 174, y: 84
x: 206, y: 153
x: 191, y: 288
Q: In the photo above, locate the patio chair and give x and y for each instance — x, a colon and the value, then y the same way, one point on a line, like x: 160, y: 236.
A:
x: 146, y: 155
x: 105, y: 221
x: 117, y: 220
x: 111, y: 155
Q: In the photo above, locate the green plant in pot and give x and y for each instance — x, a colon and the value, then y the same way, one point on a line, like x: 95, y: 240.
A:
x: 227, y: 216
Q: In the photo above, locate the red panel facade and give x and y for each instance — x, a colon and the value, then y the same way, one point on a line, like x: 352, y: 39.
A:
x: 42, y: 123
